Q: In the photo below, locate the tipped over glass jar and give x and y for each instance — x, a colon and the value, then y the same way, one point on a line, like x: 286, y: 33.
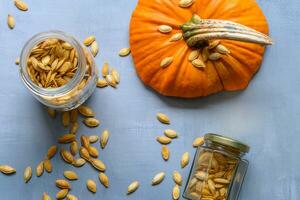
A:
x: 58, y: 70
x: 218, y: 170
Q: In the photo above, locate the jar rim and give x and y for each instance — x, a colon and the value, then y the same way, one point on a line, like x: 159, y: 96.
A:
x: 35, y: 40
x: 227, y: 141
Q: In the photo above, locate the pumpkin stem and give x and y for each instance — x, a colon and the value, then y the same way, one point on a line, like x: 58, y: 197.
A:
x: 197, y: 32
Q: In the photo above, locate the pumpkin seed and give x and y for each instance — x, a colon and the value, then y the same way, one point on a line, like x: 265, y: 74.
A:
x: 85, y: 142
x: 198, y: 63
x: 133, y: 187
x: 101, y: 83
x: 177, y: 178
x: 71, y: 197
x: 124, y: 52
x: 48, y: 165
x: 67, y: 156
x: 74, y: 128
x: 176, y: 37
x: 89, y: 40
x: 46, y: 196
x: 98, y: 164
x: 74, y: 115
x: 185, y: 159
x: 51, y: 112
x: 74, y: 148
x: 221, y: 181
x: 71, y: 175
x: 185, y: 3
x: 6, y: 169
x: 166, y: 62
x: 91, y: 185
x: 165, y: 152
x: 62, y: 194
x: 176, y: 192
x: 222, y: 49
x: 21, y: 5
x: 94, y: 48
x: 110, y: 80
x: 211, y: 186
x: 205, y: 54
x: 213, y: 44
x: 93, y: 151
x: 62, y: 184
x: 67, y: 138
x: 84, y: 153
x: 170, y: 133
x: 51, y: 151
x: 193, y: 55
x: 104, y: 138
x: 27, y: 174
x: 105, y: 69
x: 40, y: 169
x: 17, y: 61
x: 165, y: 29
x: 115, y: 74
x: 215, y: 56
x: 79, y: 162
x: 91, y: 122
x: 158, y: 178
x: 65, y: 119
x: 86, y: 111
x: 163, y: 118
x: 104, y: 179
x: 163, y: 140
x: 93, y: 138
x: 198, y: 142
x: 10, y: 21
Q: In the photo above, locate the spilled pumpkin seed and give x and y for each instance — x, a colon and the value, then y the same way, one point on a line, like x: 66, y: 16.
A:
x: 21, y: 5
x: 105, y: 69
x: 65, y: 117
x: 62, y: 194
x: 104, y: 138
x: 84, y: 153
x: 98, y: 164
x: 163, y: 140
x: 71, y: 197
x: 46, y: 196
x: 91, y: 185
x: 193, y: 55
x: 74, y: 148
x: 10, y: 21
x: 51, y: 151
x: 215, y: 56
x: 222, y: 49
x: 177, y: 177
x: 93, y: 138
x: 170, y: 133
x: 198, y: 142
x: 185, y: 159
x: 79, y: 162
x: 93, y: 151
x: 198, y: 63
x: 6, y: 169
x: 163, y: 118
x: 91, y: 122
x: 89, y: 40
x: 94, y: 48
x: 124, y: 52
x: 62, y: 184
x: 48, y: 165
x: 133, y: 187
x: 104, y: 179
x: 176, y: 37
x: 165, y: 152
x: 176, y: 192
x: 101, y: 83
x: 158, y: 178
x: 71, y: 175
x: 185, y: 3
x: 67, y: 156
x: 67, y: 138
x: 40, y: 169
x: 27, y: 174
x: 86, y: 111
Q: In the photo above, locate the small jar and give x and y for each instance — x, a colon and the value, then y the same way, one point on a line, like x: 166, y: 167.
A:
x: 77, y: 89
x: 218, y: 169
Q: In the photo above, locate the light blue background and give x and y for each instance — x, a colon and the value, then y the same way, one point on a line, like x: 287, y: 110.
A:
x: 266, y: 115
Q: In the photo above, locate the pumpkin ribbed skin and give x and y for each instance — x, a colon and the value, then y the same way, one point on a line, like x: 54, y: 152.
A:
x: 181, y: 78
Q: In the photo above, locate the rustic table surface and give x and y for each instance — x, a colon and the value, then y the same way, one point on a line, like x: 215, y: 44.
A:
x: 266, y: 115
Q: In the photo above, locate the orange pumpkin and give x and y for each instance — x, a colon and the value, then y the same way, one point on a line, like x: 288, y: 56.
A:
x: 164, y: 65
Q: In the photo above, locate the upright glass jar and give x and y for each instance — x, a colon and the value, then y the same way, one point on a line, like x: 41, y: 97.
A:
x: 77, y: 90
x: 218, y: 170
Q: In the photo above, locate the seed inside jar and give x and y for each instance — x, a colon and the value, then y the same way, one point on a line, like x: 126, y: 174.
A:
x: 52, y: 63
x: 212, y: 176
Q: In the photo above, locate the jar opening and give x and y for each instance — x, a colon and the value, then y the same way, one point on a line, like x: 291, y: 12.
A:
x: 78, y: 74
x: 229, y: 143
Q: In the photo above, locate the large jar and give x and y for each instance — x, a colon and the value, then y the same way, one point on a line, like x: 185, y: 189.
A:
x: 218, y: 170
x: 73, y: 91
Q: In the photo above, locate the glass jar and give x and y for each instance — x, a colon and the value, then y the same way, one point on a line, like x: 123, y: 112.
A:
x: 218, y: 169
x: 77, y: 90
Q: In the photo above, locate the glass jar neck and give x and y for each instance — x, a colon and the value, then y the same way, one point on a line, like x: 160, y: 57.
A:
x: 78, y: 76
x: 227, y: 149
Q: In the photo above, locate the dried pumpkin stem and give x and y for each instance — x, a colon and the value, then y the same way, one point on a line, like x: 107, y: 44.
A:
x: 198, y: 31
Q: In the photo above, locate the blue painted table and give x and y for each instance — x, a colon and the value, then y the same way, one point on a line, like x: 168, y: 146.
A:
x: 266, y: 115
